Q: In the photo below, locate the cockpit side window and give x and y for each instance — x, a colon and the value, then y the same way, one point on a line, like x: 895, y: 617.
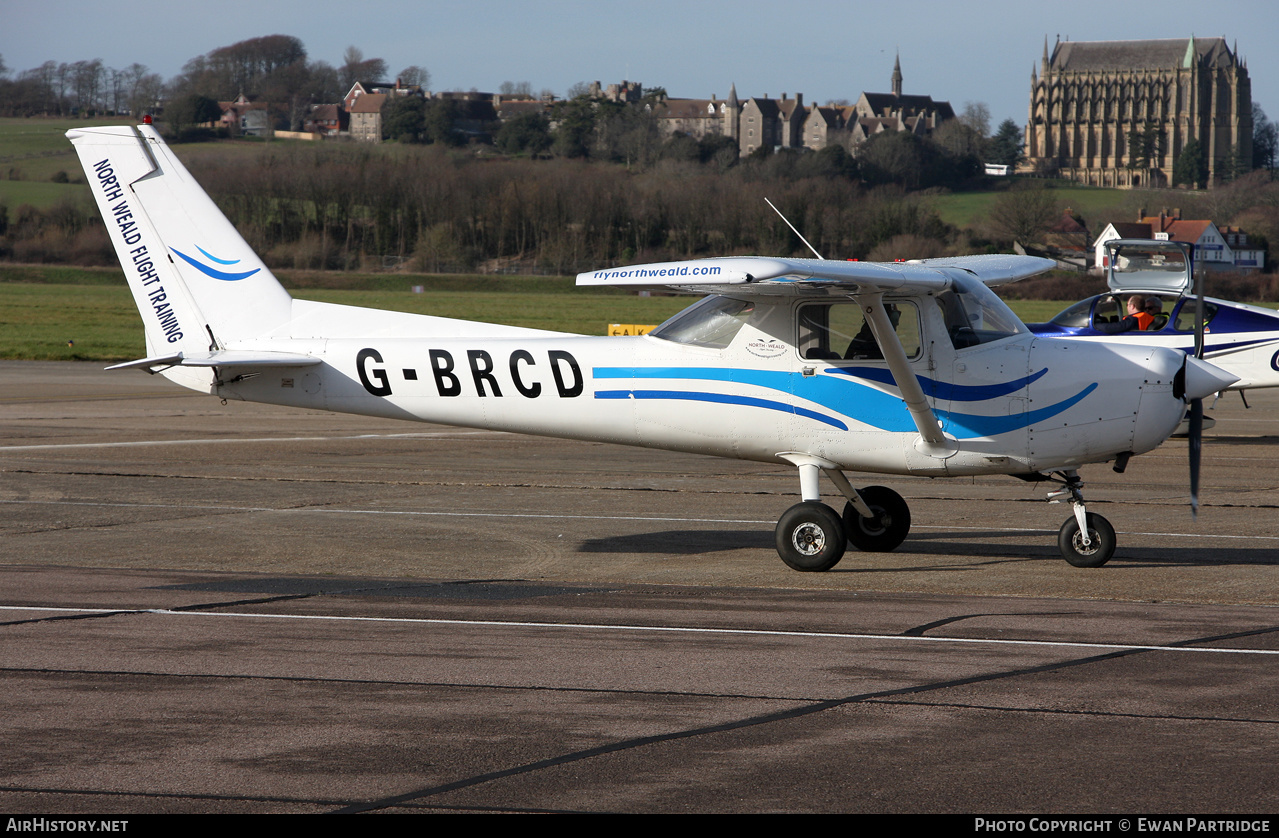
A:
x: 1075, y: 317
x: 1185, y: 321
x: 839, y: 331
x: 1108, y: 311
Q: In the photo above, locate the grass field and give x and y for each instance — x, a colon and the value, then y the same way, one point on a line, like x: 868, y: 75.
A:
x: 33, y: 151
x: 60, y: 320
x: 1097, y: 206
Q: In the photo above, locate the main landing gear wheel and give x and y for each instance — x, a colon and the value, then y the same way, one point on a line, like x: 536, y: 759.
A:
x: 1101, y: 535
x: 810, y: 537
x: 884, y: 532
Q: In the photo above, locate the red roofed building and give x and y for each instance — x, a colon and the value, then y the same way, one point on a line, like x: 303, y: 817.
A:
x: 1215, y: 248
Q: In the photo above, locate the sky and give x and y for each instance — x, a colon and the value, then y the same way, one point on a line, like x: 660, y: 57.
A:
x: 958, y: 52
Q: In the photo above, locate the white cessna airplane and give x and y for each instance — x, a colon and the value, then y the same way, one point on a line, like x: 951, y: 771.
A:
x: 914, y: 368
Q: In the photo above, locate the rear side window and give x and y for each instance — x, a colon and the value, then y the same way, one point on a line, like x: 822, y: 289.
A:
x: 839, y: 331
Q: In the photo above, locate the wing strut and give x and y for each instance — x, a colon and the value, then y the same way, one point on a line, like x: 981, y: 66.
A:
x: 934, y: 442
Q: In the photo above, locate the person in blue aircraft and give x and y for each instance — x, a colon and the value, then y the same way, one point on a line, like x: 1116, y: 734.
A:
x: 1142, y: 312
x: 1155, y: 308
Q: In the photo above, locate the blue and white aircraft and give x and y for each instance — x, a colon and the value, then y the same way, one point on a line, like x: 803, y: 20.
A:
x: 895, y: 369
x: 1241, y: 339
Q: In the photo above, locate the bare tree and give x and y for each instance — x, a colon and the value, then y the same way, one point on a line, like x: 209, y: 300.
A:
x: 86, y: 80
x: 413, y: 75
x: 513, y: 89
x: 976, y: 115
x: 355, y: 67
x: 1023, y: 215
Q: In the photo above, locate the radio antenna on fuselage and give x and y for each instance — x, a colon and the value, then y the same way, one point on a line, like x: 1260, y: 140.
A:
x: 796, y: 232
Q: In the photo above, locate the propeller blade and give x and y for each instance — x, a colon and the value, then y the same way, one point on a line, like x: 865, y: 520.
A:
x: 1196, y: 404
x: 1196, y: 448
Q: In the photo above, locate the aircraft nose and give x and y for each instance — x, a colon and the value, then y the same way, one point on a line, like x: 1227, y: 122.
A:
x: 1172, y: 378
x: 1199, y: 379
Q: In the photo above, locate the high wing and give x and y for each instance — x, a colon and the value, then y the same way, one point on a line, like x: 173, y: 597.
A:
x: 866, y: 281
x: 760, y: 275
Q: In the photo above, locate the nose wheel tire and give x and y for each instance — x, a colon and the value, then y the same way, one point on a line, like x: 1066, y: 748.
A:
x: 884, y: 532
x: 1101, y: 535
x: 810, y: 537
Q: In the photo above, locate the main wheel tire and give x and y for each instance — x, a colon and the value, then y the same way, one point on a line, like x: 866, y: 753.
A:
x: 887, y: 530
x: 1101, y: 536
x: 810, y: 537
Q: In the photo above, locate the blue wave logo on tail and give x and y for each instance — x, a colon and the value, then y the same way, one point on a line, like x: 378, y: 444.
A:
x: 207, y: 270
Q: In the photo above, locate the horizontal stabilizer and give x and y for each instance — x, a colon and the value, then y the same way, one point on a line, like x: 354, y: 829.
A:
x: 222, y: 358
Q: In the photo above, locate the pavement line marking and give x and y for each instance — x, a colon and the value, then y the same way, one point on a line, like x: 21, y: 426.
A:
x: 164, y: 612
x: 150, y: 442
x: 455, y: 514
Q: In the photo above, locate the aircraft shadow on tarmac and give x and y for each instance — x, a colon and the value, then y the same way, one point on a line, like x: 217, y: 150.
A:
x: 1241, y: 440
x: 984, y: 546
x: 681, y: 542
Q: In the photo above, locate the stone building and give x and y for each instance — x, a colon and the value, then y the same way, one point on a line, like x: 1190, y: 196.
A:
x: 366, y: 117
x: 874, y: 113
x: 753, y: 122
x: 787, y: 123
x: 1118, y: 113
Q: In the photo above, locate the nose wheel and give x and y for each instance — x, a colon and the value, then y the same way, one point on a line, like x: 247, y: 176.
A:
x: 1086, y: 539
x: 1096, y: 550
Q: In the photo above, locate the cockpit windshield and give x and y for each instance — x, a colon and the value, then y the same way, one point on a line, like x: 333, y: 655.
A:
x: 974, y: 315
x: 713, y: 323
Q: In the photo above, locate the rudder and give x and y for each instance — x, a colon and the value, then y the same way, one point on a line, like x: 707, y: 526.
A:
x: 197, y: 284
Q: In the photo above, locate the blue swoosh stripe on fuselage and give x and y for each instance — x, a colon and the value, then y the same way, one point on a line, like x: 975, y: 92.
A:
x: 207, y: 271
x: 942, y: 389
x: 720, y: 398
x: 992, y: 425
x: 847, y: 397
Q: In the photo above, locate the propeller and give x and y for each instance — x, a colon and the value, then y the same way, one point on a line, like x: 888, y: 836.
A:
x: 1197, y: 404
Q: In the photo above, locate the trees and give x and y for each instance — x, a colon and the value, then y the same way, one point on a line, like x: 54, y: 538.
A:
x: 575, y: 131
x: 1191, y: 167
x: 529, y: 132
x: 1006, y: 146
x: 892, y: 157
x: 141, y: 89
x: 189, y: 111
x: 1265, y: 140
x: 439, y: 117
x: 355, y: 67
x: 516, y: 90
x: 1023, y: 214
x: 1145, y: 147
x: 976, y: 115
x: 404, y: 119
x: 414, y: 76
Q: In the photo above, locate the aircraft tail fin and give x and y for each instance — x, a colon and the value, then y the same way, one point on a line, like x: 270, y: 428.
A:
x: 196, y: 282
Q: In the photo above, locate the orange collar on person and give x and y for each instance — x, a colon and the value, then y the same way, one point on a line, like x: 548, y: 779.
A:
x: 1144, y: 319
